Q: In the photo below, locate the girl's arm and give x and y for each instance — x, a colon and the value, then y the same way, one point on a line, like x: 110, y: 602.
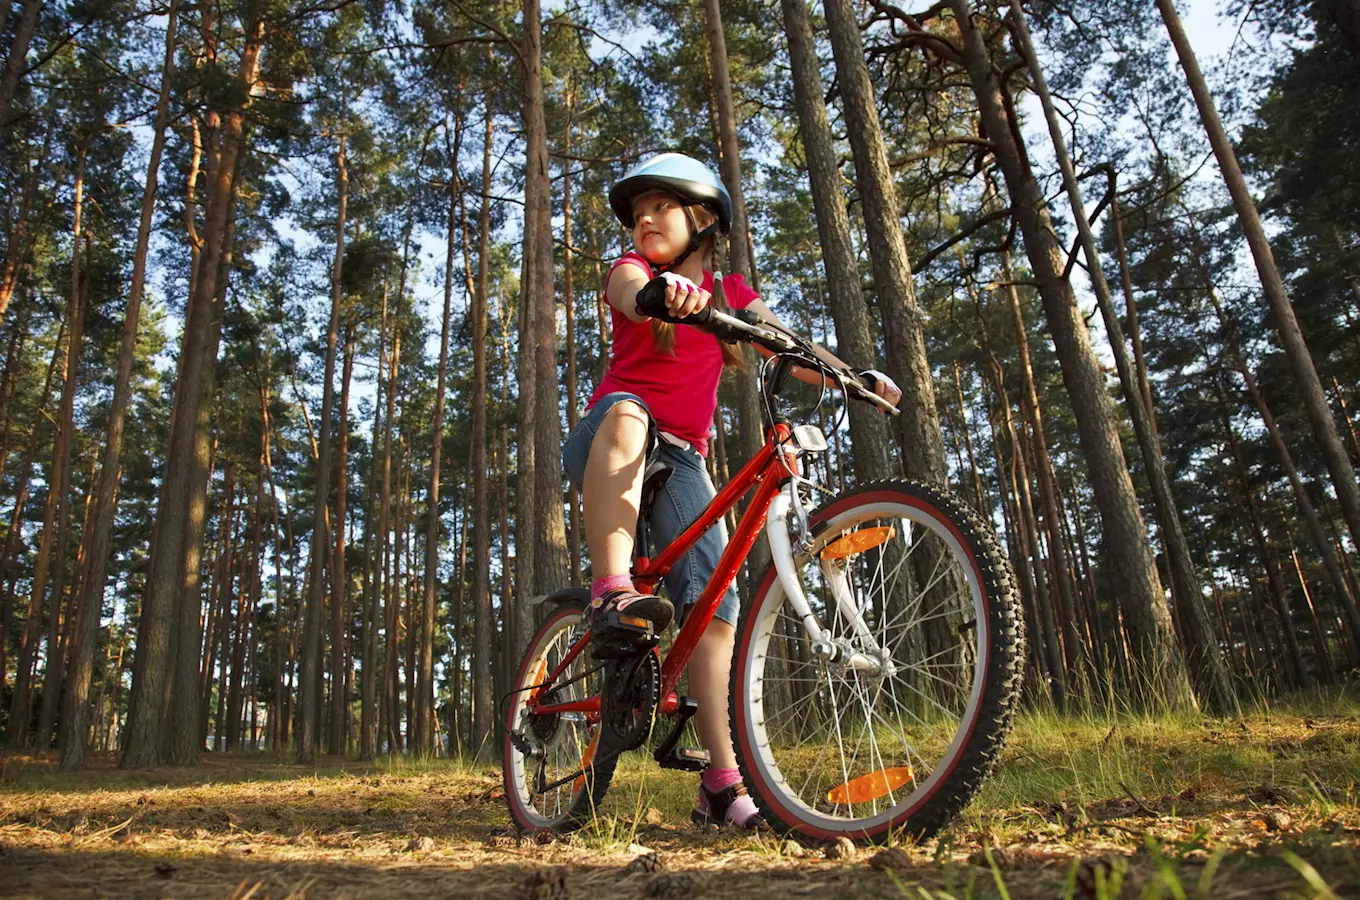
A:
x: 885, y: 389
x: 627, y: 279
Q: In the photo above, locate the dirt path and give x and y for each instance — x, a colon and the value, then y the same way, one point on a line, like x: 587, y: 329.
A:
x: 242, y: 827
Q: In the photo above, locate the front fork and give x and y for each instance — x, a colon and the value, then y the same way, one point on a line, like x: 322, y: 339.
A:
x: 869, y: 657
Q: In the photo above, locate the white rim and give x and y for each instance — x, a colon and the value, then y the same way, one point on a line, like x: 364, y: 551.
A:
x: 765, y: 758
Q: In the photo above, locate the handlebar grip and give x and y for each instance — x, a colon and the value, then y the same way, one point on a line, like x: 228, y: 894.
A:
x: 651, y: 301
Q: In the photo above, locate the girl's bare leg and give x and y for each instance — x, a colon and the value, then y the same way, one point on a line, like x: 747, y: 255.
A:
x: 613, y: 488
x: 710, y: 669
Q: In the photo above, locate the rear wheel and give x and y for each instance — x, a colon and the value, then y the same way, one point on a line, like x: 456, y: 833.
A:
x: 543, y: 750
x: 891, y: 722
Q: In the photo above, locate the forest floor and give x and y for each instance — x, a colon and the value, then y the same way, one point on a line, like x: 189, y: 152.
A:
x: 1263, y: 806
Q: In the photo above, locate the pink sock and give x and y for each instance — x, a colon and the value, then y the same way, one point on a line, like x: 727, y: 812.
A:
x: 718, y: 779
x: 601, y: 586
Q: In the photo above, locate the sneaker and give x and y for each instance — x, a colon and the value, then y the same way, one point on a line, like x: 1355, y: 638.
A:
x: 729, y: 806
x: 627, y: 616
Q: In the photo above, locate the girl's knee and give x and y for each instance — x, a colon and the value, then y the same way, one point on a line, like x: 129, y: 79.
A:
x: 626, y: 413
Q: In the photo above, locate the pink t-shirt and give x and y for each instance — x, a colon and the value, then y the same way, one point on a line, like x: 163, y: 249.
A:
x: 681, y: 390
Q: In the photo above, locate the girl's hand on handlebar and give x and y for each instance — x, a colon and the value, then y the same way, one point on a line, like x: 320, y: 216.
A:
x: 684, y: 297
x: 882, y: 385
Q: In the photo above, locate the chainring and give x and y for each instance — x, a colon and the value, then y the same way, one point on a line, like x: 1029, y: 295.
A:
x: 631, y: 688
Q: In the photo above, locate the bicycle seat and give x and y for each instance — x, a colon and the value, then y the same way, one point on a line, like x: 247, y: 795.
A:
x: 653, y: 480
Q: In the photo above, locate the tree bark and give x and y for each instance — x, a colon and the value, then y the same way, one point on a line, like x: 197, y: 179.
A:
x: 749, y: 420
x: 58, y: 483
x: 923, y: 442
x: 308, y: 710
x: 1272, y: 283
x: 17, y: 62
x: 75, y: 715
x: 483, y: 618
x: 339, y: 711
x: 1307, y: 510
x: 872, y: 442
x: 547, y: 526
x: 152, y: 667
x: 373, y: 537
x: 1071, y: 646
x: 1202, y: 652
x: 569, y: 304
x: 183, y: 740
x: 15, y: 531
x: 422, y: 738
x: 1133, y: 569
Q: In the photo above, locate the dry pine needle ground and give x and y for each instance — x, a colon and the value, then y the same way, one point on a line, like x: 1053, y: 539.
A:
x: 1259, y: 807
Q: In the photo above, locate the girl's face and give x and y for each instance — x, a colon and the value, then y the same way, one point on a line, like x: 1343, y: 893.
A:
x: 660, y: 228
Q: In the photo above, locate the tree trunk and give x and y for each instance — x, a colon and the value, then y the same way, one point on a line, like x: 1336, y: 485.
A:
x: 183, y: 739
x: 368, y: 702
x: 1274, y: 580
x: 1202, y: 652
x: 547, y: 526
x: 422, y: 738
x: 750, y: 423
x: 15, y: 531
x: 483, y: 618
x: 569, y: 303
x: 152, y: 667
x: 19, y: 242
x: 340, y: 618
x: 1272, y: 284
x: 1133, y: 568
x: 16, y: 63
x: 1050, y: 652
x: 59, y: 619
x: 96, y: 551
x: 58, y: 482
x: 872, y: 443
x: 1305, y: 506
x: 308, y: 711
x: 923, y: 443
x: 1048, y: 489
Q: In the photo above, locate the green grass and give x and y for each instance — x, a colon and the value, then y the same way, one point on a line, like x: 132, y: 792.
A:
x: 1113, y: 807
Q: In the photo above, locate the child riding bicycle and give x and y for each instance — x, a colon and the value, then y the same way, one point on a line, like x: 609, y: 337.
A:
x: 657, y: 400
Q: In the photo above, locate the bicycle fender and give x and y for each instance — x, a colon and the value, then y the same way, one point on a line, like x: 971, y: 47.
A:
x: 565, y: 595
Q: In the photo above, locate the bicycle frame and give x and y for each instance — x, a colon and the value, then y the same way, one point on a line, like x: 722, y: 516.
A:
x: 765, y: 472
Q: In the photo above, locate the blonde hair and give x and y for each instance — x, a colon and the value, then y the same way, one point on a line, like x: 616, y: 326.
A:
x: 663, y: 333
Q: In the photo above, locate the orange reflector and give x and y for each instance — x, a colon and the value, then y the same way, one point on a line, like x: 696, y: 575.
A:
x: 586, y: 759
x: 858, y: 542
x: 869, y: 787
x: 635, y: 622
x: 536, y: 682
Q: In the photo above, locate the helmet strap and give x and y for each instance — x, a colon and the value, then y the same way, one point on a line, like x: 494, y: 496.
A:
x: 696, y: 240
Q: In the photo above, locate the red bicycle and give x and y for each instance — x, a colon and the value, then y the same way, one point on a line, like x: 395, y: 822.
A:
x: 876, y: 671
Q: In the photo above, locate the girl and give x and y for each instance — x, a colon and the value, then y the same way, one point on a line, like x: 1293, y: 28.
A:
x: 656, y: 401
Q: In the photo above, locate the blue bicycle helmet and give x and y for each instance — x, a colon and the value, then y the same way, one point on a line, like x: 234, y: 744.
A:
x: 684, y: 176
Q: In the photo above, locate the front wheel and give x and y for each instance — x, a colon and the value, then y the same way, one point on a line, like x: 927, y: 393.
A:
x: 548, y: 751
x: 890, y: 722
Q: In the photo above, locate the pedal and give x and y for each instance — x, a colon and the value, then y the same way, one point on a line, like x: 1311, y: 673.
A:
x: 617, y: 635
x: 685, y: 759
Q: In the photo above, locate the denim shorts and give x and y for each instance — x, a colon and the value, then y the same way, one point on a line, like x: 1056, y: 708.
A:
x: 679, y: 504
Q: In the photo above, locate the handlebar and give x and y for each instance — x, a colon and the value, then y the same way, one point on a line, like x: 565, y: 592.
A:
x: 749, y: 327
x: 746, y: 326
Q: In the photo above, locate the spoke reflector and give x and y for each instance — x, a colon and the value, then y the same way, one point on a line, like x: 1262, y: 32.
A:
x: 586, y: 759
x: 858, y: 541
x: 869, y: 787
x: 540, y: 672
